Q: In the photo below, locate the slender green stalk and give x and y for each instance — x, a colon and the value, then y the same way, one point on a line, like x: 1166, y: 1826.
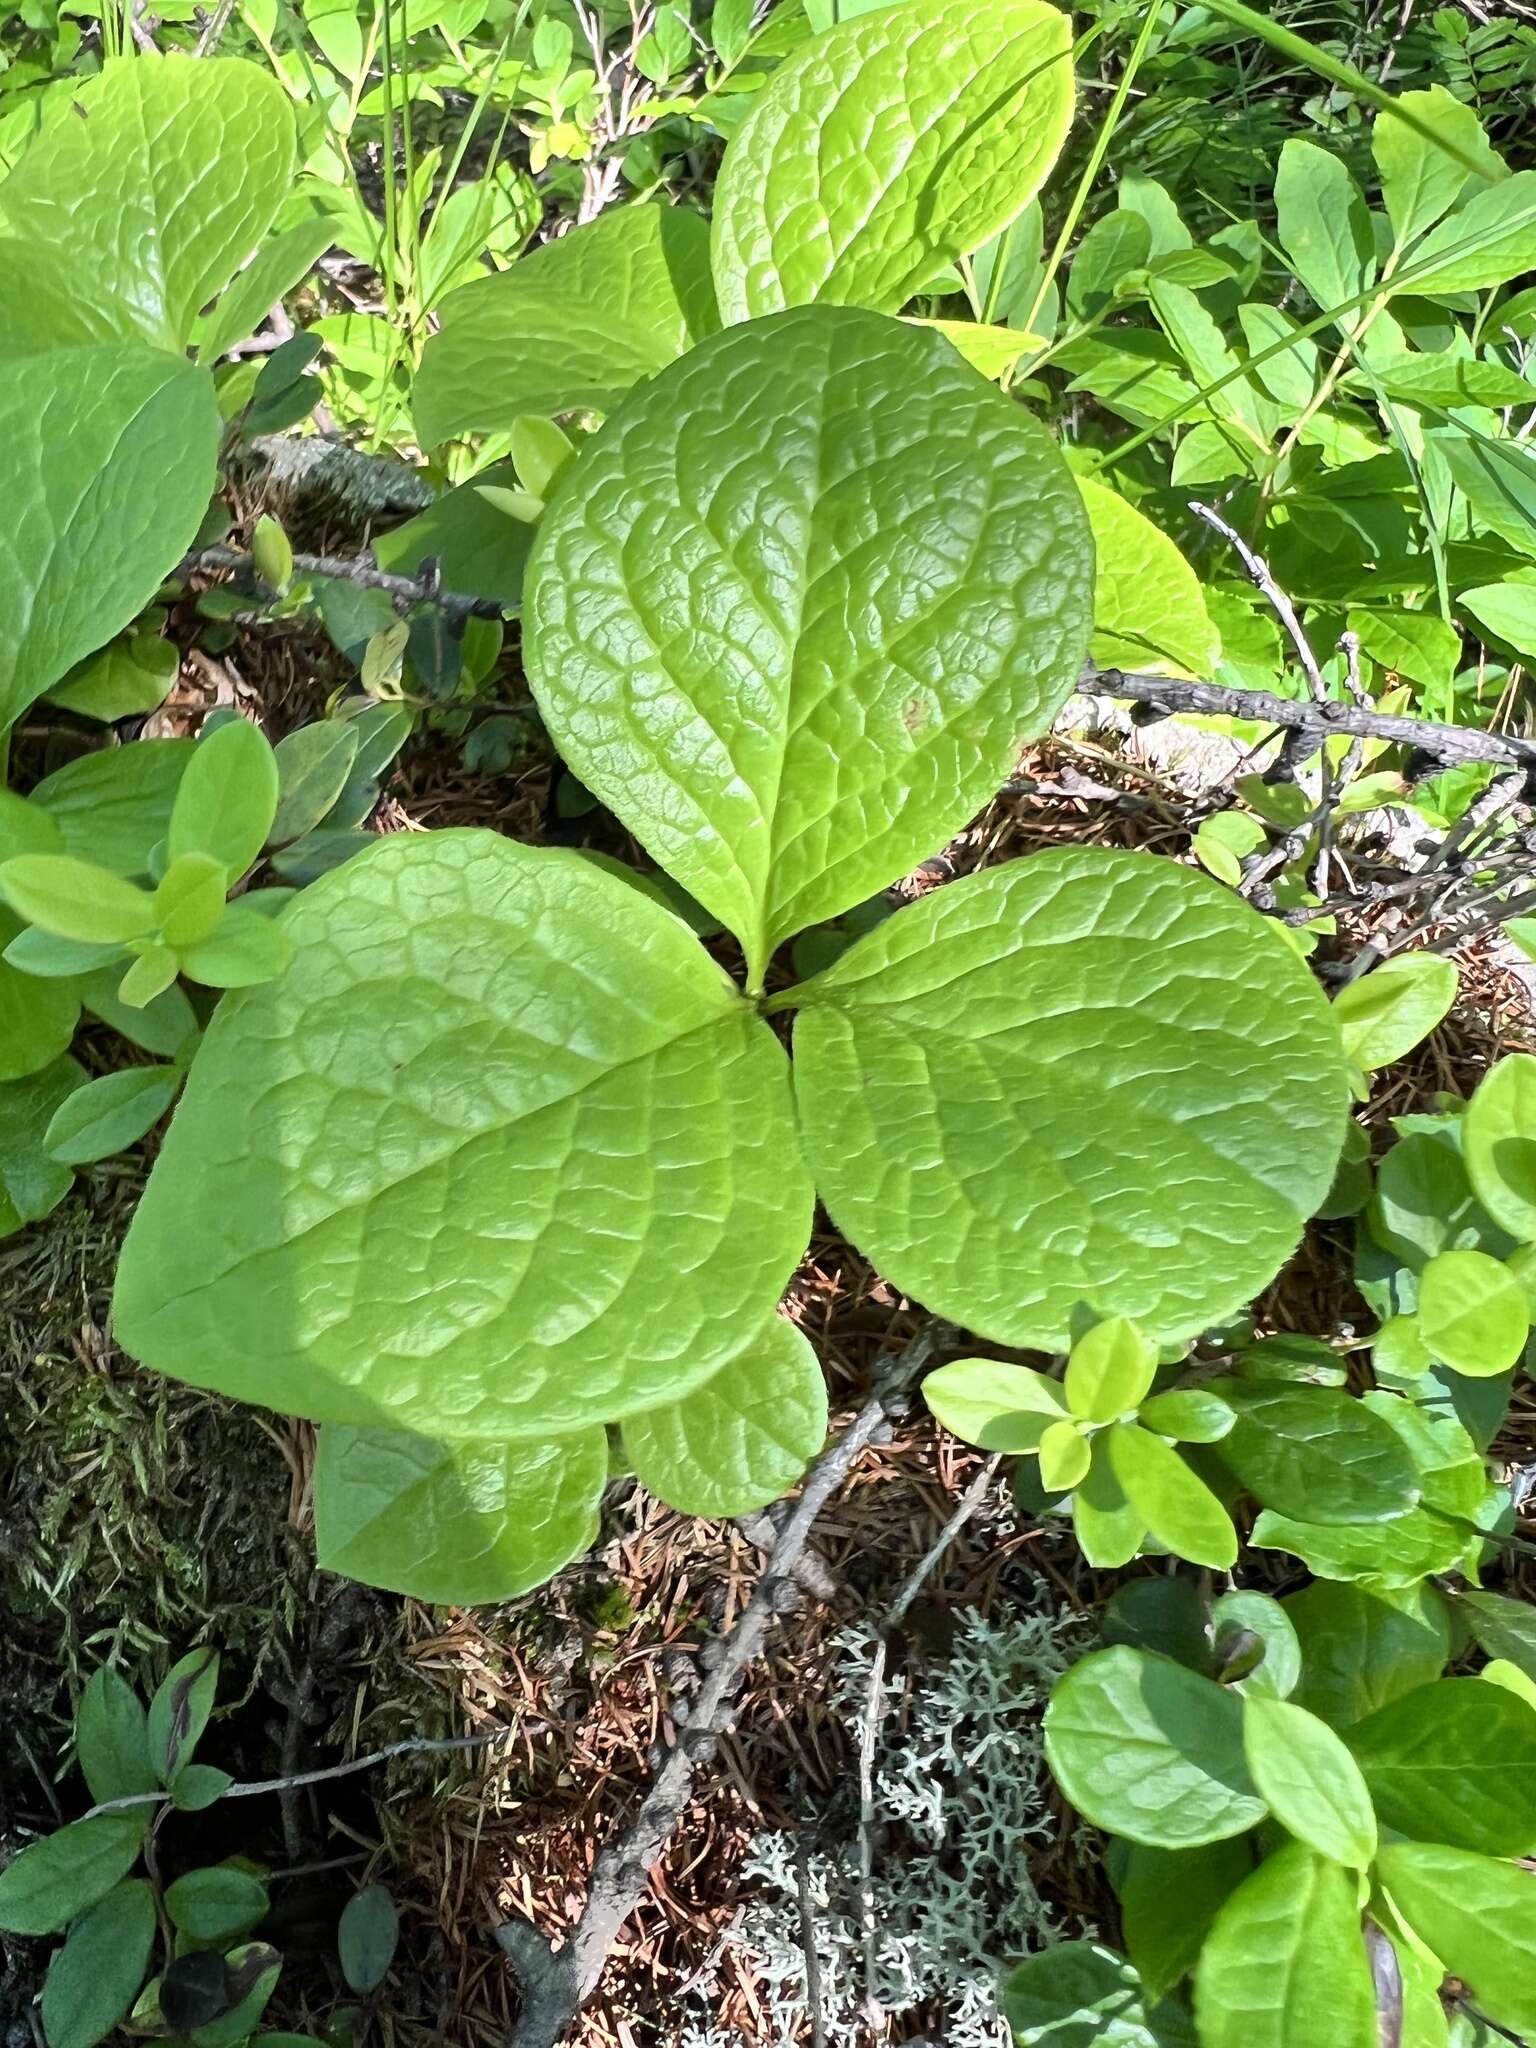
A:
x: 1091, y: 169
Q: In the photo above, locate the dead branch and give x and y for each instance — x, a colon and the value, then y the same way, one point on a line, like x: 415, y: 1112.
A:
x: 554, y: 1982
x: 361, y: 570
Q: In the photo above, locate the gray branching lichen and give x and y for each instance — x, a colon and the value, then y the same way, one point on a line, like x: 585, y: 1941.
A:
x: 960, y: 1788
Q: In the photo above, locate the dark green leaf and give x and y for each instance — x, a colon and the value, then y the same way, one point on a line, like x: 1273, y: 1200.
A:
x: 112, y: 1738
x: 48, y: 1884
x: 367, y: 1937
x: 1315, y: 1454
x: 216, y: 1905
x: 179, y: 1711
x: 1454, y: 1762
x: 95, y: 1977
x: 1360, y: 1650
x: 1168, y: 1899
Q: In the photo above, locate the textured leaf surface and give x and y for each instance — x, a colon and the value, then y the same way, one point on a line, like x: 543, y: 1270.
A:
x: 459, y: 1522
x: 106, y: 468
x: 792, y: 612
x: 574, y: 323
x: 1148, y: 608
x: 1284, y: 1965
x: 1060, y: 1082
x: 1360, y: 1649
x: 1079, y: 1994
x: 1151, y: 1751
x: 1317, y: 1454
x: 742, y: 1439
x: 1479, y: 1917
x: 160, y: 178
x: 503, y: 1153
x: 887, y: 147
x: 1454, y: 1762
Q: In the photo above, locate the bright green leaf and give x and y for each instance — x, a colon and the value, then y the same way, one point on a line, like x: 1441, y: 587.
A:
x: 460, y: 1522
x: 1472, y: 1313
x: 1109, y: 1530
x: 884, y: 568
x: 246, y: 948
x: 1316, y: 1454
x: 227, y: 798
x: 1151, y: 1751
x: 1311, y: 1782
x: 1190, y: 1415
x: 111, y: 1113
x: 1173, y: 1502
x: 1453, y: 1762
x: 1110, y: 1369
x: 74, y: 899
x: 189, y: 900
x: 1064, y: 1454
x: 1284, y: 1965
x: 560, y: 1196
x: 1420, y: 182
x: 996, y: 1407
x: 1323, y: 225
x: 887, y: 147
x: 1498, y: 1136
x: 1479, y: 1917
x: 572, y: 325
x: 1016, y: 1102
x: 1362, y: 1649
x: 1484, y: 243
x: 1506, y: 609
x: 1385, y: 1014
x: 742, y: 1439
x: 113, y: 807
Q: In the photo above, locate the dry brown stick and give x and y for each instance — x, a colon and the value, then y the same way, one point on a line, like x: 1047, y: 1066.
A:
x: 362, y: 570
x: 554, y: 1982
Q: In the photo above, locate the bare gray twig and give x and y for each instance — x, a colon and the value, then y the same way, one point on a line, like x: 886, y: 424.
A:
x: 415, y: 1746
x: 362, y: 570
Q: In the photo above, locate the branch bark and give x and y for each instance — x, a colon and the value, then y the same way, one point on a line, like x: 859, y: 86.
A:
x: 555, y: 1982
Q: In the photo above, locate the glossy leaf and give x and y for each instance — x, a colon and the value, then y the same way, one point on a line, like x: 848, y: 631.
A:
x: 1265, y: 1621
x: 227, y: 797
x: 1311, y: 1782
x: 1148, y: 608
x: 1079, y: 1994
x: 564, y: 1191
x: 106, y: 469
x: 884, y: 569
x: 1190, y: 1415
x: 461, y: 1522
x: 1317, y: 1455
x: 160, y: 179
x: 1064, y: 1454
x: 95, y: 1977
x: 1498, y: 1136
x: 1109, y: 1530
x: 1008, y: 1106
x: 1168, y: 1899
x: 742, y: 1439
x: 1111, y: 1367
x: 994, y: 1406
x: 1502, y: 1627
x: 1388, y: 1012
x: 1454, y: 1762
x: 1151, y: 1751
x: 1284, y: 1965
x: 1479, y: 1917
x: 887, y: 147
x: 1472, y: 1313
x: 55, y: 1879
x: 572, y: 325
x: 1362, y: 1649
x: 1171, y: 1500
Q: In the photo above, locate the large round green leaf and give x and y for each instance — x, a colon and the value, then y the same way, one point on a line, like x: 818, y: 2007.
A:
x: 1151, y: 1751
x: 885, y: 148
x: 742, y: 1439
x: 502, y: 1154
x: 1087, y: 1077
x: 462, y: 1523
x: 160, y: 178
x: 791, y: 613
x: 107, y: 463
